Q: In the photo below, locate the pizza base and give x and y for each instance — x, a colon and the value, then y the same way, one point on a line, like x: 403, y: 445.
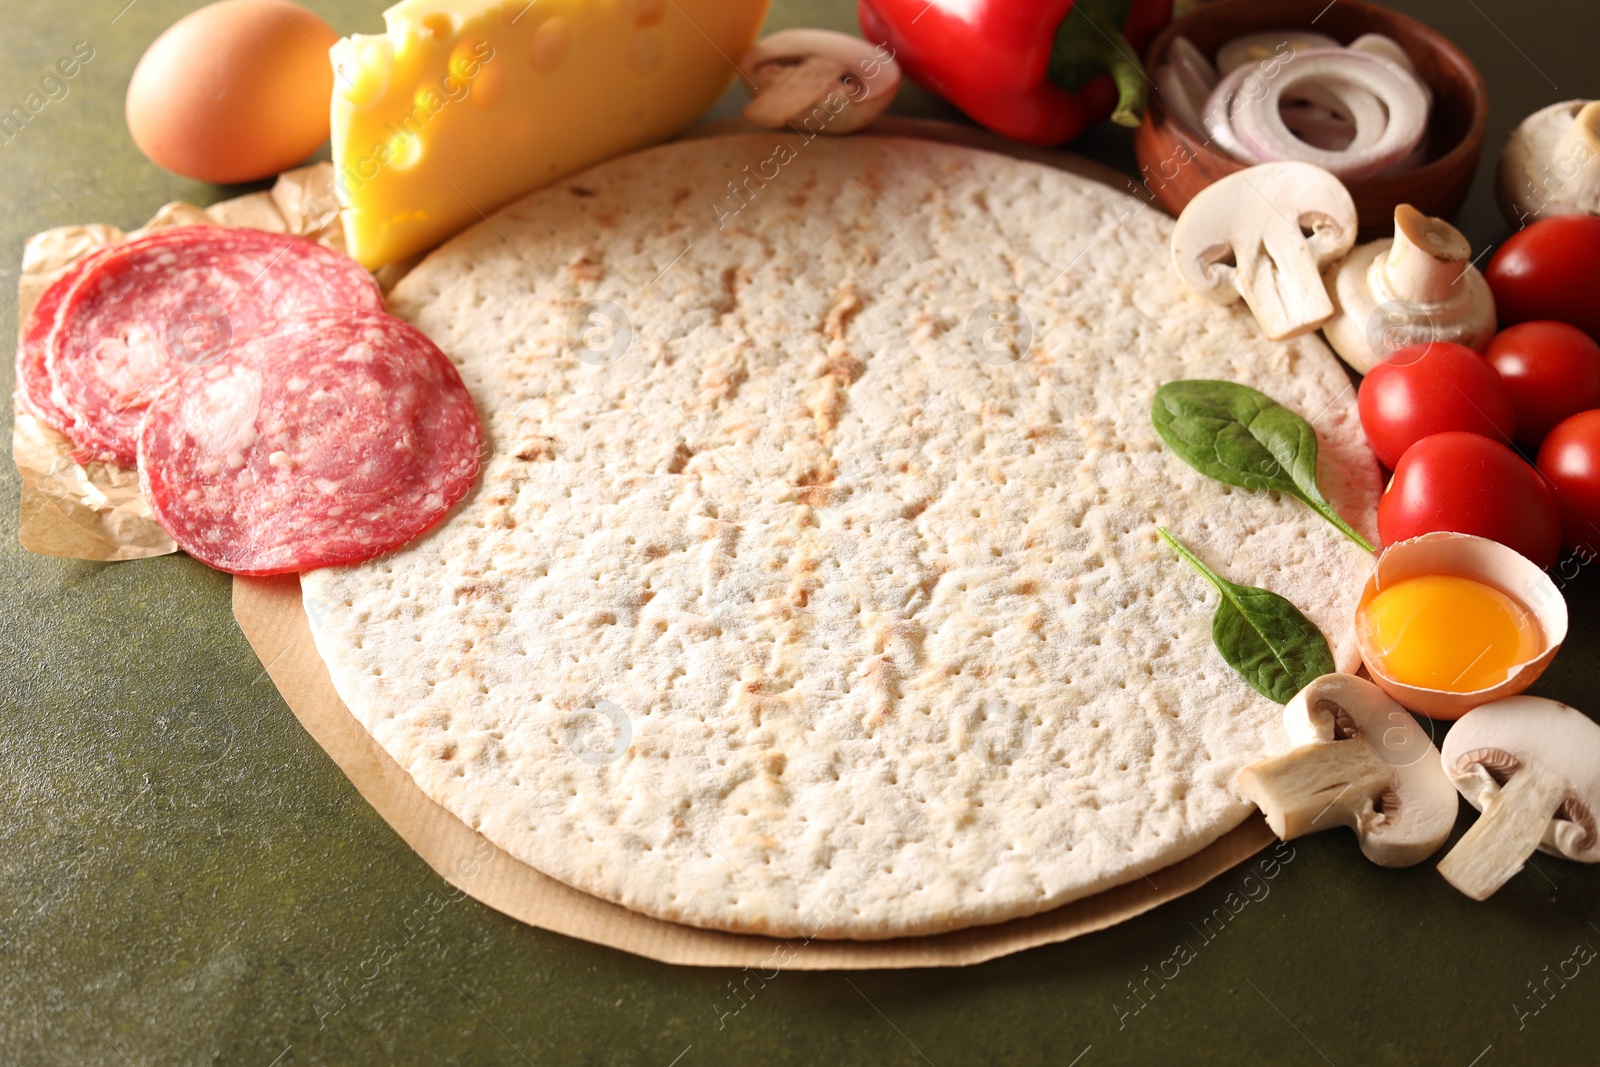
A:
x: 799, y: 595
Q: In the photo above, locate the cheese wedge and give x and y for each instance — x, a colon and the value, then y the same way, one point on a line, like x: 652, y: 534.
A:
x: 465, y: 105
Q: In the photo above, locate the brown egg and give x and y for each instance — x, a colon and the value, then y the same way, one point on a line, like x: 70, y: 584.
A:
x: 1530, y: 591
x: 233, y: 92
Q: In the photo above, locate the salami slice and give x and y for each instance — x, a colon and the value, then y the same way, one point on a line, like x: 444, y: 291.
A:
x: 328, y: 440
x: 34, y: 387
x: 163, y: 304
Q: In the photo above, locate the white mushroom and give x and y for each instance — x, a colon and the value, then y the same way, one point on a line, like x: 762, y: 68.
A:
x: 1360, y: 761
x: 1418, y: 286
x: 823, y: 81
x: 1532, y: 766
x: 1551, y: 164
x: 1242, y: 236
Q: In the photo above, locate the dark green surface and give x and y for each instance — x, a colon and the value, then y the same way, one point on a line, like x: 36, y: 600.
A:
x: 186, y: 877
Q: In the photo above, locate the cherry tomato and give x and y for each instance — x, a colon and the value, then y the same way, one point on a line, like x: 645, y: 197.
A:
x: 1570, y: 458
x: 1470, y: 484
x: 1431, y: 388
x: 1551, y: 370
x: 1549, y: 270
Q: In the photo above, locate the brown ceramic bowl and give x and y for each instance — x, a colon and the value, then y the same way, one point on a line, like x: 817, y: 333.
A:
x: 1176, y: 163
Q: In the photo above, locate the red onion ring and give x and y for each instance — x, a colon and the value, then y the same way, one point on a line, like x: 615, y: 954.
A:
x: 1259, y: 129
x: 1367, y: 115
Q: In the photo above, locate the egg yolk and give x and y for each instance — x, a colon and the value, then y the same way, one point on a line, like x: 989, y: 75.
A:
x: 1445, y: 632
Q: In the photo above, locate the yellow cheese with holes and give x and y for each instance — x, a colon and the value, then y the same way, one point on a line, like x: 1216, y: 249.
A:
x: 465, y: 105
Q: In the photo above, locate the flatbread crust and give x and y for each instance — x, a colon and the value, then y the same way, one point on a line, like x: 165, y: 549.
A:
x: 790, y: 614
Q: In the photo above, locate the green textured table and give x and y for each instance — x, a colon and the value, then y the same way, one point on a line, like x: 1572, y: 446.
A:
x: 185, y: 877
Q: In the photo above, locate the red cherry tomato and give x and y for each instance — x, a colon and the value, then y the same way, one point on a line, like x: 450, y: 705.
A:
x: 1431, y: 388
x: 1549, y: 270
x: 1570, y: 458
x: 1551, y: 370
x: 1470, y: 484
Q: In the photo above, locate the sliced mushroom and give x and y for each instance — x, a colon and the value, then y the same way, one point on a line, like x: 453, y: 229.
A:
x: 1361, y: 761
x: 1532, y: 766
x: 823, y: 81
x: 1265, y: 233
x: 1418, y: 286
x: 1551, y: 164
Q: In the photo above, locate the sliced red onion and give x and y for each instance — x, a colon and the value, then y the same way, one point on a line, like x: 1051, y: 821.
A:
x: 1367, y: 116
x: 1376, y: 44
x: 1334, y: 117
x: 1183, y: 52
x: 1318, y: 126
x: 1184, y: 82
x: 1230, y: 94
x: 1417, y: 157
x: 1259, y: 127
x: 1252, y: 48
x: 1181, y: 94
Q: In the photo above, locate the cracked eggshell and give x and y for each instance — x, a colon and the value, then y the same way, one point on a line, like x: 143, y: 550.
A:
x: 1486, y: 561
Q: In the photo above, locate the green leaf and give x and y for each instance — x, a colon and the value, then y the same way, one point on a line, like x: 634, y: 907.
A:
x: 1237, y: 435
x: 1277, y: 650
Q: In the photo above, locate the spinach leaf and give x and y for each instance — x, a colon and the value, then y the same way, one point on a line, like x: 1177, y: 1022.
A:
x: 1277, y: 650
x: 1237, y: 435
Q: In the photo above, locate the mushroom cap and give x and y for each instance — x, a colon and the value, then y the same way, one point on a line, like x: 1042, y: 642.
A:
x: 1495, y: 740
x: 1528, y: 183
x: 1374, y: 320
x: 1257, y: 214
x: 1414, y: 817
x: 1336, y: 707
x: 1358, y: 338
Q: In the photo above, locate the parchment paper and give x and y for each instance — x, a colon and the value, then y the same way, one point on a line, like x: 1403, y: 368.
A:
x: 95, y: 510
x: 273, y: 618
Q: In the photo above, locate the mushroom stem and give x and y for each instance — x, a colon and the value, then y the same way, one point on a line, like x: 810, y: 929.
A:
x: 1505, y: 835
x: 1576, y: 159
x: 1426, y: 260
x: 1316, y: 787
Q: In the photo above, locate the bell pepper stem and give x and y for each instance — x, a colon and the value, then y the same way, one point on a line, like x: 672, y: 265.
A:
x: 1128, y: 73
x: 1088, y: 44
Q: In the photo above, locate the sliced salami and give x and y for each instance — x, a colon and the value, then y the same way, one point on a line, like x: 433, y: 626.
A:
x: 34, y: 387
x: 328, y: 440
x: 176, y: 299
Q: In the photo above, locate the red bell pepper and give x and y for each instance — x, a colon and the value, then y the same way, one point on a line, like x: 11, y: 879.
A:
x: 1038, y: 71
